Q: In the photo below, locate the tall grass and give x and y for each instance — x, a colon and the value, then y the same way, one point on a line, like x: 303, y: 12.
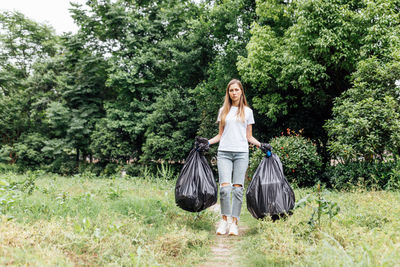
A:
x: 50, y: 220
x: 83, y: 220
x: 364, y: 233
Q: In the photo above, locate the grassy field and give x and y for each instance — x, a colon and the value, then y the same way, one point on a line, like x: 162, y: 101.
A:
x: 83, y: 220
x: 365, y: 232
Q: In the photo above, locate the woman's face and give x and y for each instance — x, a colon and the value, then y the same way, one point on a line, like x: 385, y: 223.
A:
x: 235, y: 92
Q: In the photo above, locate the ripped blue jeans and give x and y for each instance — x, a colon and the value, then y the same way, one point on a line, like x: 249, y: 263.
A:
x: 232, y: 167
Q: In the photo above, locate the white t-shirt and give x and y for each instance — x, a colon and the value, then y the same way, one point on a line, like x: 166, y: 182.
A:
x: 234, y: 136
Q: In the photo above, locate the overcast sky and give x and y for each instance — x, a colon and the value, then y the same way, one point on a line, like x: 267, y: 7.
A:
x: 53, y: 12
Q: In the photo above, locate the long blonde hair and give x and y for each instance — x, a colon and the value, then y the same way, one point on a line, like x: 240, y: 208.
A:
x: 228, y: 103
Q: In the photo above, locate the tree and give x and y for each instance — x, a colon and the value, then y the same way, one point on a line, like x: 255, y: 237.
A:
x: 173, y: 121
x: 300, y: 57
x: 153, y: 50
x: 226, y: 27
x: 83, y: 88
x: 24, y: 45
x: 365, y: 123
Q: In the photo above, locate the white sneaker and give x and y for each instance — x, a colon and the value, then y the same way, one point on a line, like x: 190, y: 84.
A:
x: 233, y: 229
x: 222, y: 228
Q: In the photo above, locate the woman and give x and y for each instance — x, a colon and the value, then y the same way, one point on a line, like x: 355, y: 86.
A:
x: 235, y: 131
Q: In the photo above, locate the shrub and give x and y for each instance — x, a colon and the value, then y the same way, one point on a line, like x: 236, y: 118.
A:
x: 5, y: 167
x: 393, y: 182
x: 376, y: 174
x: 92, y: 168
x: 366, y: 118
x: 28, y: 151
x: 64, y: 165
x: 301, y: 162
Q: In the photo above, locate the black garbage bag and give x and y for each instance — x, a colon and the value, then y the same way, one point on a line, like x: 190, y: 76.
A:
x: 269, y: 193
x: 196, y: 188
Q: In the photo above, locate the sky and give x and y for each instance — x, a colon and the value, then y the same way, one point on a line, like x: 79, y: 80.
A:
x: 52, y: 12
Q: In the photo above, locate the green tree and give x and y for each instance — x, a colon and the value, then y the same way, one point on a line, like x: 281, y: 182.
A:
x: 111, y: 139
x: 172, y: 123
x: 365, y: 122
x: 24, y: 46
x: 300, y: 57
x: 226, y: 26
x: 83, y: 89
x: 153, y: 50
x: 22, y: 43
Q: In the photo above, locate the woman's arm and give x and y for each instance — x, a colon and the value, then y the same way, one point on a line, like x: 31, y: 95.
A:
x: 216, y: 138
x: 250, y: 137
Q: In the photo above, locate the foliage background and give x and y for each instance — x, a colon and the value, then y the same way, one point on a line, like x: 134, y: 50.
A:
x: 140, y: 79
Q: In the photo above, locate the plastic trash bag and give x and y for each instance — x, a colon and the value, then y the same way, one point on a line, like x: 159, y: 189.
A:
x: 196, y: 188
x: 269, y: 193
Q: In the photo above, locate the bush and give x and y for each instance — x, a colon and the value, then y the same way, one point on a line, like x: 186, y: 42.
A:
x: 93, y: 168
x: 301, y: 162
x: 6, y: 167
x: 377, y: 175
x: 64, y: 165
x: 28, y: 151
x: 365, y: 123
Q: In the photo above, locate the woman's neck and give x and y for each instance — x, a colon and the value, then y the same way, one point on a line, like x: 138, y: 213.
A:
x: 235, y: 104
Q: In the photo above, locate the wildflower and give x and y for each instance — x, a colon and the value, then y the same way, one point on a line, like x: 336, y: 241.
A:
x: 292, y: 170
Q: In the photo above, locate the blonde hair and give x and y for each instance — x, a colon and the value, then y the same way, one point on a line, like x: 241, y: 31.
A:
x: 228, y: 103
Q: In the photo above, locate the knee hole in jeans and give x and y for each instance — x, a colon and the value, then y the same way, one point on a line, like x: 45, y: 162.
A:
x: 225, y: 191
x: 238, y: 192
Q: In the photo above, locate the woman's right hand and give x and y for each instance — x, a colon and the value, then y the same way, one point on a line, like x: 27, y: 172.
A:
x: 202, y: 144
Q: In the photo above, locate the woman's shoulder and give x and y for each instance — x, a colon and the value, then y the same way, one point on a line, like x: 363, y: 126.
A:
x: 247, y: 108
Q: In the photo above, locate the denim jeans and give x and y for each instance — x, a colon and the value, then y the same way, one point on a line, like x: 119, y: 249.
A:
x: 232, y: 167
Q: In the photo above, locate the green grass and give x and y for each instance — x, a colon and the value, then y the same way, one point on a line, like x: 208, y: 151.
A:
x: 50, y: 220
x: 364, y: 233
x: 80, y: 220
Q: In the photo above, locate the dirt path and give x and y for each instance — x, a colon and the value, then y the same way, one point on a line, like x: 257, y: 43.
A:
x: 224, y: 251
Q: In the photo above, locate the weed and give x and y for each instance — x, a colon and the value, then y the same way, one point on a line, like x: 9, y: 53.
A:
x: 27, y: 185
x: 8, y: 196
x: 114, y: 193
x: 62, y: 197
x: 322, y: 207
x: 165, y: 171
